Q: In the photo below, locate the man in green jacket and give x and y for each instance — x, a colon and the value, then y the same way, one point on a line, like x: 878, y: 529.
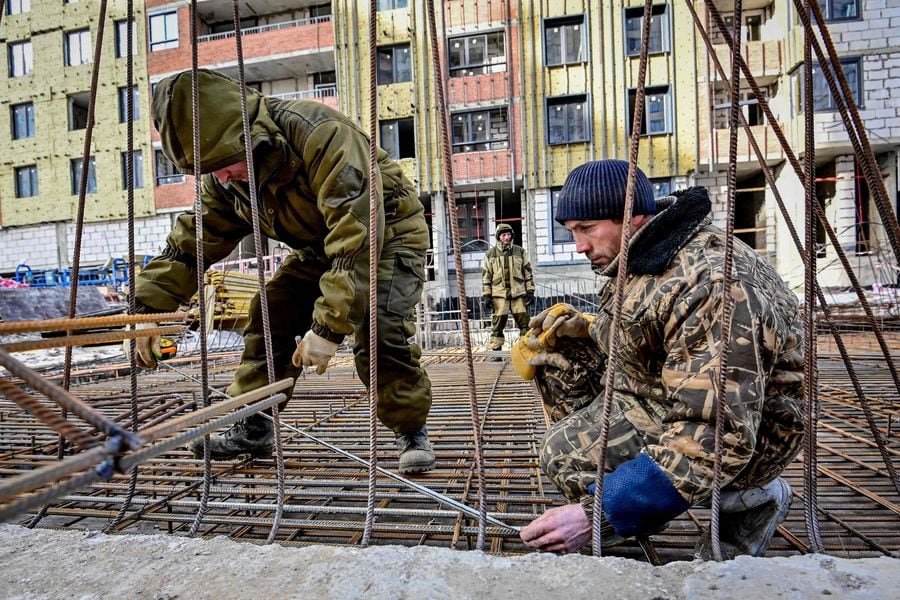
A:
x: 312, y: 172
x: 507, y: 285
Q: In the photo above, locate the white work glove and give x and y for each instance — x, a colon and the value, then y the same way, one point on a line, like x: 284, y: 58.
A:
x: 147, y: 348
x: 314, y: 351
x: 560, y: 320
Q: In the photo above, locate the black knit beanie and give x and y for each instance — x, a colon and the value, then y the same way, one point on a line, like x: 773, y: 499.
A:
x: 595, y: 191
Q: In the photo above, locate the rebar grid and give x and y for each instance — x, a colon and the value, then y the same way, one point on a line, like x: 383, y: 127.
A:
x: 325, y: 494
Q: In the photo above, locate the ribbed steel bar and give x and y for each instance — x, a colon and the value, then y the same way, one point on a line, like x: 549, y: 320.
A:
x: 67, y: 400
x: 823, y: 305
x: 124, y: 463
x: 37, y: 477
x: 449, y: 189
x: 90, y: 338
x: 854, y: 506
x: 75, y: 435
x: 77, y: 323
x: 773, y: 123
x: 621, y: 276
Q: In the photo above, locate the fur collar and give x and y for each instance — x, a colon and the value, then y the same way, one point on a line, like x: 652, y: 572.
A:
x: 656, y: 243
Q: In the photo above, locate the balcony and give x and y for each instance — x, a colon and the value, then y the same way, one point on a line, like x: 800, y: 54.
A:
x: 264, y: 28
x: 480, y: 88
x: 481, y: 167
x: 763, y: 135
x: 270, y: 42
x: 765, y: 59
x: 326, y: 94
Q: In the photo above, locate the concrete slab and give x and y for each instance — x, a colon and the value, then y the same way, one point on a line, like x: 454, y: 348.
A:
x: 89, y: 565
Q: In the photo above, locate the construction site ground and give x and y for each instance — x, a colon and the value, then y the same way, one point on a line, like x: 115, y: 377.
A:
x: 416, y: 542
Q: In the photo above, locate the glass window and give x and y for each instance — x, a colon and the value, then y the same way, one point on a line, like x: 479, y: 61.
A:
x: 662, y: 186
x: 166, y: 171
x: 76, y: 176
x: 138, y: 170
x: 163, y: 30
x: 471, y: 211
x: 398, y: 138
x: 15, y: 7
x: 659, y: 29
x: 822, y: 98
x: 559, y: 234
x: 656, y: 110
x: 839, y: 10
x: 21, y: 61
x: 394, y: 64
x: 480, y: 130
x: 751, y: 29
x: 391, y: 4
x: 22, y: 120
x: 122, y: 38
x: 564, y: 40
x: 477, y: 54
x: 78, y: 111
x: 78, y: 47
x: 568, y: 120
x: 320, y: 10
x: 26, y: 181
x: 324, y: 79
x: 753, y: 113
x: 123, y: 104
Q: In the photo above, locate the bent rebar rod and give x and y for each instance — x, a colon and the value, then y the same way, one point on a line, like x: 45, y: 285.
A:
x: 32, y: 480
x: 67, y: 400
x: 124, y: 463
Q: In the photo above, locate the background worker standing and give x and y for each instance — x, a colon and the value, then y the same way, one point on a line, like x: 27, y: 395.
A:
x: 507, y: 285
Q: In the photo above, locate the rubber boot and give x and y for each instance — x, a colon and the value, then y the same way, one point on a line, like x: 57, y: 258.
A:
x: 416, y: 453
x: 748, y: 519
x: 255, y: 436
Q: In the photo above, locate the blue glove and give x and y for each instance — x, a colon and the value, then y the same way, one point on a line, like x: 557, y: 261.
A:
x: 638, y: 498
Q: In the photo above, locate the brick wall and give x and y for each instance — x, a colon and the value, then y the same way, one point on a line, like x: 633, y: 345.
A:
x: 49, y: 246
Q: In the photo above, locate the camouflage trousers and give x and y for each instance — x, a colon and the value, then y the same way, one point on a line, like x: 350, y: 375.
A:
x: 501, y: 309
x: 404, y: 390
x: 573, y: 399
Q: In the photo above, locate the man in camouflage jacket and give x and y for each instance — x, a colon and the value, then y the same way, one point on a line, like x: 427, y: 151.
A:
x: 312, y: 171
x: 661, y: 432
x: 507, y: 285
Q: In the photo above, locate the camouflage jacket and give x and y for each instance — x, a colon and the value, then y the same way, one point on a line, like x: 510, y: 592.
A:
x: 312, y: 169
x: 669, y: 350
x: 505, y: 270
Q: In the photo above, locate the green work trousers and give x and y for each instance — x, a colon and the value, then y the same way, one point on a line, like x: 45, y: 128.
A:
x: 404, y: 390
x: 501, y: 310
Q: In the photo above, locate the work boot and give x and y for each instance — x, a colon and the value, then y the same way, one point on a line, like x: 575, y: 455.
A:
x: 255, y: 436
x: 748, y: 519
x: 416, y: 453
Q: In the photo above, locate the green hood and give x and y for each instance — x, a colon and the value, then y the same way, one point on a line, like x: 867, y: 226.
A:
x: 221, y: 128
x: 503, y: 228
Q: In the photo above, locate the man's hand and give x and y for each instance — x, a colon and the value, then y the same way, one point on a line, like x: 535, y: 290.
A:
x: 527, y: 354
x: 550, y: 359
x: 487, y: 305
x: 529, y: 298
x: 147, y: 350
x: 560, y: 320
x: 314, y: 351
x: 562, y: 529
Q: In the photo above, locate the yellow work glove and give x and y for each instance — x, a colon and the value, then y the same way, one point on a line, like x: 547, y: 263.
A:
x: 146, y: 348
x: 560, y: 320
x: 314, y: 351
x: 527, y: 354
